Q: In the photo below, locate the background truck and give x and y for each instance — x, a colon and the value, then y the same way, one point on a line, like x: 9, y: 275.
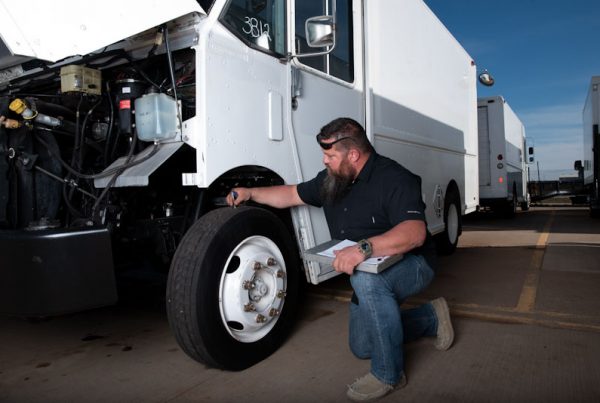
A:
x: 591, y: 144
x: 125, y: 124
x: 503, y: 171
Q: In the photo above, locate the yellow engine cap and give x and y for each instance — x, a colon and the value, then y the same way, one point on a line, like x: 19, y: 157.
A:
x: 17, y: 106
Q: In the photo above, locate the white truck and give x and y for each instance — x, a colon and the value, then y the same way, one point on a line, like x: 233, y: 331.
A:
x: 125, y: 124
x: 503, y: 157
x: 591, y: 146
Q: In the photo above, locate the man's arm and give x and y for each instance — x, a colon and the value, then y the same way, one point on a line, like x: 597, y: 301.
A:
x: 275, y: 196
x: 402, y: 238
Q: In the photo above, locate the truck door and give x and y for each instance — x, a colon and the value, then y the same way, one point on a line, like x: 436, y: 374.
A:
x: 325, y: 87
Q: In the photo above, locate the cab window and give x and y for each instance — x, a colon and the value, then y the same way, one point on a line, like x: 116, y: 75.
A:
x: 338, y: 63
x: 259, y: 23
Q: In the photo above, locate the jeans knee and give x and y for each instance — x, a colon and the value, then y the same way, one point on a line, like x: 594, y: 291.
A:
x: 363, y: 283
x: 359, y: 350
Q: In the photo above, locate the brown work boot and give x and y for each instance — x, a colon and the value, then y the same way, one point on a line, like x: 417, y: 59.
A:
x: 445, y: 332
x: 369, y: 388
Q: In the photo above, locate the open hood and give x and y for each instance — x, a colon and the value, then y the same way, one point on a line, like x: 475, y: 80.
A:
x: 53, y: 30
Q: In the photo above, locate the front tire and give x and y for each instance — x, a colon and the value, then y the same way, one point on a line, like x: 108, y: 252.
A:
x: 233, y: 287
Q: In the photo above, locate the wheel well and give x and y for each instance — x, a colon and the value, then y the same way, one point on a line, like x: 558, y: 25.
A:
x: 244, y: 176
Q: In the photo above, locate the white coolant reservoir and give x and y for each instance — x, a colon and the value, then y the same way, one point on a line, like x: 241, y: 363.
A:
x: 156, y: 117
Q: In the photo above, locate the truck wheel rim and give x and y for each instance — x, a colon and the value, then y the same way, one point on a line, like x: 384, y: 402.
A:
x: 252, y: 289
x: 452, y: 224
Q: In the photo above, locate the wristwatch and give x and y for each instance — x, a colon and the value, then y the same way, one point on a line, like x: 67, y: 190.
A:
x: 365, y: 247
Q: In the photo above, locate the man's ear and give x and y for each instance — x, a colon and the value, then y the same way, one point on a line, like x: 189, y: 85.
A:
x: 354, y: 155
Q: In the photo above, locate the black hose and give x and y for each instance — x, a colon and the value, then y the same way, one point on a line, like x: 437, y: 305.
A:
x: 100, y: 174
x: 88, y: 142
x: 110, y: 124
x: 83, y: 125
x: 64, y: 181
x: 67, y: 198
x: 76, y: 143
x: 115, y: 144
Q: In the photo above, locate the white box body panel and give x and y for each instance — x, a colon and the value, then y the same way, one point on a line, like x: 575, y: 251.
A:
x: 422, y: 92
x: 502, y: 166
x: 591, y: 117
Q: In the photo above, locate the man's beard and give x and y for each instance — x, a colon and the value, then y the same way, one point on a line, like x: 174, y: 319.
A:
x: 336, y: 184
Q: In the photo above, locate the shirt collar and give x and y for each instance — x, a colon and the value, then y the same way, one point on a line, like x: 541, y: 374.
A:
x: 366, y: 171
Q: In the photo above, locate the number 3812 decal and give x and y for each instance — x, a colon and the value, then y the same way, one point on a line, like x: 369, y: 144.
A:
x: 256, y: 28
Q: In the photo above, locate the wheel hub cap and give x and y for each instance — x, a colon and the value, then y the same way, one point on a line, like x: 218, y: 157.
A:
x: 252, y: 289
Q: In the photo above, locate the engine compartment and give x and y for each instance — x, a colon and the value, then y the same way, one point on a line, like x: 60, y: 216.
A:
x: 64, y: 125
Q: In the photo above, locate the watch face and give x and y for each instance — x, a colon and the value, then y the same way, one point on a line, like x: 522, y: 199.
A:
x: 365, y: 248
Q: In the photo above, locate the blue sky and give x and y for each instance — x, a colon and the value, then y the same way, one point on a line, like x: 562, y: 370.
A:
x: 542, y: 54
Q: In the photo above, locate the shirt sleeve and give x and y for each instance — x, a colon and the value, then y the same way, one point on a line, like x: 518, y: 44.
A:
x: 310, y: 191
x: 405, y: 201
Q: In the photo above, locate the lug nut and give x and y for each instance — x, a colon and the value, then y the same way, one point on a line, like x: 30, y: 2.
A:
x: 280, y: 273
x: 260, y: 318
x: 257, y: 266
x: 281, y: 294
x: 271, y: 261
x: 273, y: 312
x: 249, y: 307
x: 248, y: 285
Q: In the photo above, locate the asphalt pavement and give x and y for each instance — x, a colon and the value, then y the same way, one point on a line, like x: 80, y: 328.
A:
x: 524, y: 299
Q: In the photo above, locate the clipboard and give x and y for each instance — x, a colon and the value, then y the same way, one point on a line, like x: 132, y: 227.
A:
x: 371, y: 265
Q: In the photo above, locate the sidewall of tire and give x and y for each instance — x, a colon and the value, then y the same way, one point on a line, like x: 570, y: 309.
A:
x: 444, y: 244
x: 211, y: 240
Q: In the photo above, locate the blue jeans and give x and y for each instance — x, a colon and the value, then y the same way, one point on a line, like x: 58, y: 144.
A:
x: 378, y: 327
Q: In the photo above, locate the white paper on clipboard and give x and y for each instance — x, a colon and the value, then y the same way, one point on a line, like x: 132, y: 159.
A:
x: 323, y: 253
x: 344, y: 244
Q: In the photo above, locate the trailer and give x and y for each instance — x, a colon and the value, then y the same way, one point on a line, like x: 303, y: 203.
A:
x: 125, y: 124
x: 503, y: 157
x: 591, y: 144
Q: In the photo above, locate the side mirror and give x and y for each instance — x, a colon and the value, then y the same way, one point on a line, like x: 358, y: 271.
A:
x: 578, y: 165
x: 486, y: 78
x: 530, y: 151
x: 319, y: 31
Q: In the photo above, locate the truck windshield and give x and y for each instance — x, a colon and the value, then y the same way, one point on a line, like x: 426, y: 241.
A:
x: 259, y: 23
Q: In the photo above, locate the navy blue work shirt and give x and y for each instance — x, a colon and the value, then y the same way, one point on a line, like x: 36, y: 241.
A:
x: 382, y: 196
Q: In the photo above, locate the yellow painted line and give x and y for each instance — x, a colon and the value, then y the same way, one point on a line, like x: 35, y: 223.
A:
x: 529, y: 291
x: 466, y: 306
x: 497, y: 314
x: 556, y: 324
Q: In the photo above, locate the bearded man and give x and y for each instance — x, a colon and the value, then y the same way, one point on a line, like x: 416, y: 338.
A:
x: 377, y: 202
